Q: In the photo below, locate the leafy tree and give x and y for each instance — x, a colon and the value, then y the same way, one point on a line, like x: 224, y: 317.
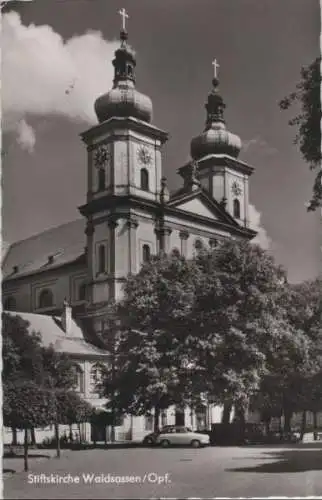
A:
x: 70, y: 409
x: 308, y: 121
x: 25, y: 406
x: 204, y: 328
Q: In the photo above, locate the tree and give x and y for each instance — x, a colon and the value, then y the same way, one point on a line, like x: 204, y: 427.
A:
x: 25, y: 406
x: 70, y: 409
x: 203, y: 328
x: 308, y: 121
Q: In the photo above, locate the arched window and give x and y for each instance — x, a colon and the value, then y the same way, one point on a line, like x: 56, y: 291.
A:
x: 236, y: 208
x: 144, y: 179
x: 78, y: 384
x: 146, y: 253
x: 175, y: 252
x: 101, y: 259
x: 198, y: 244
x: 10, y: 304
x: 82, y: 292
x: 101, y: 179
x: 46, y: 299
x: 96, y: 377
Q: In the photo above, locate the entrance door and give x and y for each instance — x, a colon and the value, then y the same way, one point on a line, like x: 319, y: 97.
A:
x: 179, y: 418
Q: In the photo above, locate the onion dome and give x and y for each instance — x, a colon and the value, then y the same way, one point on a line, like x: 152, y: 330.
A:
x: 215, y: 139
x: 124, y: 100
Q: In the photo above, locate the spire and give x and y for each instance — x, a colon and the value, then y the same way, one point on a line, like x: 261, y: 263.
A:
x: 124, y: 62
x: 215, y: 106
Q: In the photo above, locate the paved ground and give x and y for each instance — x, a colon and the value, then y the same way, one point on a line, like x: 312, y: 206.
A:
x: 176, y: 473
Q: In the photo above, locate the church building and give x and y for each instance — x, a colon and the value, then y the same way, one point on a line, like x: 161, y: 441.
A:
x: 128, y: 215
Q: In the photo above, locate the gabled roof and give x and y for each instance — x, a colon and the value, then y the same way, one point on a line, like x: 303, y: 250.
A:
x: 180, y: 200
x: 64, y: 243
x: 52, y: 334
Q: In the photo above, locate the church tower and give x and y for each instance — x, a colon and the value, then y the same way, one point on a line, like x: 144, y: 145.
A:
x: 124, y: 175
x: 216, y: 152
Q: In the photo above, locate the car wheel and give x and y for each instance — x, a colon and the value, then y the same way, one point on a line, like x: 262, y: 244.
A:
x: 195, y: 443
x: 165, y: 443
x: 147, y: 442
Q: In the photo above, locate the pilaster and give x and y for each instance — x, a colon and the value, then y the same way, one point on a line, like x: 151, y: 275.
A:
x: 184, y: 235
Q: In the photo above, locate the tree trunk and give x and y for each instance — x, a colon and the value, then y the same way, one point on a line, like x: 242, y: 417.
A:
x: 14, y: 436
x: 25, y: 451
x: 33, y: 436
x: 303, y: 424
x: 57, y: 437
x: 315, y: 425
x: 225, y: 418
x: 70, y: 433
x: 156, y: 418
x: 287, y: 419
x: 267, y: 424
x: 79, y: 432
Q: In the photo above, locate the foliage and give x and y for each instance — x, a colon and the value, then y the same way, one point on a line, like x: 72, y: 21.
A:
x: 209, y: 328
x: 27, y: 405
x: 308, y: 121
x: 71, y: 408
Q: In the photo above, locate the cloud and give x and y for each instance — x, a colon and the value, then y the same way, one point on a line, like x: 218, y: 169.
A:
x: 259, y: 144
x: 26, y: 136
x: 42, y: 74
x: 262, y: 239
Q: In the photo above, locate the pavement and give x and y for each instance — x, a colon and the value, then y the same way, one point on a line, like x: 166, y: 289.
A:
x: 252, y: 471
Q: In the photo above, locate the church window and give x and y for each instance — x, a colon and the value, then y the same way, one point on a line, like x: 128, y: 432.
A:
x: 96, y: 376
x: 10, y: 304
x: 46, y: 299
x: 82, y: 292
x: 101, y: 259
x: 175, y: 252
x: 144, y: 179
x: 198, y: 244
x: 101, y: 179
x: 146, y: 253
x: 78, y: 384
x: 129, y: 70
x: 236, y: 208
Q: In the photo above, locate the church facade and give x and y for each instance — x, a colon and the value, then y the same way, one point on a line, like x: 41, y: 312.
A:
x: 128, y: 215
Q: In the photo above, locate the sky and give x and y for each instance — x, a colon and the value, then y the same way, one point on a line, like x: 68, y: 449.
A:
x: 56, y: 60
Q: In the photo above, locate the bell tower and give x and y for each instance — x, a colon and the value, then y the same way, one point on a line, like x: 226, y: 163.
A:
x: 216, y: 151
x: 124, y: 172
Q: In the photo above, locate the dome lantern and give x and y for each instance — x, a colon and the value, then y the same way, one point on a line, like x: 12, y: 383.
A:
x: 124, y: 100
x: 215, y: 139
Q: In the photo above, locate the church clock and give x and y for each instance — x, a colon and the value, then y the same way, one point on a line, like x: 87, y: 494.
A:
x: 101, y: 156
x: 236, y: 189
x: 144, y: 156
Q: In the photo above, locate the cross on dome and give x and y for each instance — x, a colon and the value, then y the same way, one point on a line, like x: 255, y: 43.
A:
x: 216, y: 66
x: 124, y: 15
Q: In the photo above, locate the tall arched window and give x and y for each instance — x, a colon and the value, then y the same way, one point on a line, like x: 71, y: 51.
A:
x: 236, y: 208
x: 78, y: 384
x: 101, y: 179
x: 175, y: 252
x: 10, y: 304
x: 46, y: 299
x: 101, y: 259
x: 144, y: 179
x: 146, y: 253
x: 198, y: 244
x: 96, y: 377
x: 82, y: 292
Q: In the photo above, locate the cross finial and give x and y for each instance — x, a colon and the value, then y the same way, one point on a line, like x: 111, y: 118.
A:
x: 216, y: 66
x: 124, y: 15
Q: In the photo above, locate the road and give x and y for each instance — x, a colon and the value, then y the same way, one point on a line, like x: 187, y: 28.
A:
x: 177, y: 473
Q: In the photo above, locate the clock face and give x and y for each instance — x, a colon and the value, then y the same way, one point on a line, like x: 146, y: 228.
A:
x: 101, y: 156
x: 144, y: 155
x: 236, y: 189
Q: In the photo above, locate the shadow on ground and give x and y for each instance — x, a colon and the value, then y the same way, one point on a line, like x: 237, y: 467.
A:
x: 286, y: 461
x: 8, y: 471
x: 30, y: 455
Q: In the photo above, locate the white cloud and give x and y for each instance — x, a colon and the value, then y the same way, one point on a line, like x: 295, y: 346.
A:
x: 259, y: 144
x: 26, y: 136
x: 262, y: 239
x: 43, y: 74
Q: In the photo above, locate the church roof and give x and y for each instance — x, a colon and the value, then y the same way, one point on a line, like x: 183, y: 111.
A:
x: 64, y: 244
x: 52, y: 334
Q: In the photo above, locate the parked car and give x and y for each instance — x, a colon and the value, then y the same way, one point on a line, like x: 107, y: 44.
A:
x: 181, y: 436
x: 150, y: 439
